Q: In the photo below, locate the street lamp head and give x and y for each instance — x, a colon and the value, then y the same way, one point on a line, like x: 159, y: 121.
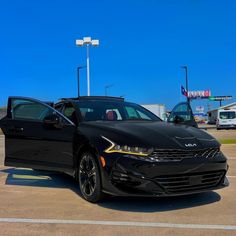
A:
x: 95, y: 42
x: 81, y: 67
x: 184, y: 67
x: 87, y: 40
x: 109, y: 86
x: 79, y: 42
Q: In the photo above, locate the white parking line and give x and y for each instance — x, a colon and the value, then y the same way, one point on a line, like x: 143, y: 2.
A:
x: 117, y: 223
x: 231, y: 176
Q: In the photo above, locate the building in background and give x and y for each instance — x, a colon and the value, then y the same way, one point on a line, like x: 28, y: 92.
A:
x: 158, y: 109
x: 212, y: 114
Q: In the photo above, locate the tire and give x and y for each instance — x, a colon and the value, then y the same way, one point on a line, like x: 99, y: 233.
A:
x: 89, y: 178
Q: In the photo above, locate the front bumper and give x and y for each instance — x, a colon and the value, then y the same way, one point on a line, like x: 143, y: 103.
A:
x: 126, y: 176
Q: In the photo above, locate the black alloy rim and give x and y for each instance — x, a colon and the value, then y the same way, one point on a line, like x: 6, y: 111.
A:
x: 87, y: 175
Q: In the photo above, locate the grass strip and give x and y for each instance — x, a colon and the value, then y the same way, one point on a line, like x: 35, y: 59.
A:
x: 227, y: 141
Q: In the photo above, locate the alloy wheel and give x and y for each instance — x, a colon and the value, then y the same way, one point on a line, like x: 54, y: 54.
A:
x: 87, y: 175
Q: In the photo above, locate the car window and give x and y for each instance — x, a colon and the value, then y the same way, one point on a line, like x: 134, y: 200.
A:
x: 132, y: 113
x: 227, y: 115
x: 68, y: 111
x: 182, y: 111
x: 113, y: 111
x: 28, y: 110
x: 143, y: 116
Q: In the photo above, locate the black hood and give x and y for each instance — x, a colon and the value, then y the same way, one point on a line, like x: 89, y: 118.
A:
x: 158, y: 135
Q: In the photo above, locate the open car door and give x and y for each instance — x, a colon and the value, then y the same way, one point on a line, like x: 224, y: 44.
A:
x: 182, y: 114
x: 37, y: 136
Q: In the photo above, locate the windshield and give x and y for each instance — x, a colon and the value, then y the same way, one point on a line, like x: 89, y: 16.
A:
x: 224, y: 115
x: 113, y: 111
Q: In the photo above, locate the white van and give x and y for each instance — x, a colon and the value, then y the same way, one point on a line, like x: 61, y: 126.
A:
x: 226, y: 119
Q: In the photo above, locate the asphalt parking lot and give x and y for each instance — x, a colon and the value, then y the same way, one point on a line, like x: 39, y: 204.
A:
x: 45, y: 203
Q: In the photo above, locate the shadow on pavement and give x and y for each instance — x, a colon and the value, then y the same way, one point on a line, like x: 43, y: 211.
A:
x: 37, y: 178
x: 40, y: 178
x: 160, y: 204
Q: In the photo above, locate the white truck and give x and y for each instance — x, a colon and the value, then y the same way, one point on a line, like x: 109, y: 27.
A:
x: 226, y: 119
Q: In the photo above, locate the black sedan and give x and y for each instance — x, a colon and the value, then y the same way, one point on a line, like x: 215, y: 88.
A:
x: 114, y: 147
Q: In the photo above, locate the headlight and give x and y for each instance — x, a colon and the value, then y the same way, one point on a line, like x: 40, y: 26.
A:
x: 125, y: 149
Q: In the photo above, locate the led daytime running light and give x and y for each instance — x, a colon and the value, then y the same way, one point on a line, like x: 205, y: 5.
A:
x: 125, y: 149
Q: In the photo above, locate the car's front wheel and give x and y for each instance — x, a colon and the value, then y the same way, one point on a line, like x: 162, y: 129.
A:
x: 89, y: 178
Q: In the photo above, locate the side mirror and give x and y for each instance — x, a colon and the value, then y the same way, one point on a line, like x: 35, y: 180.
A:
x: 178, y: 119
x: 52, y: 121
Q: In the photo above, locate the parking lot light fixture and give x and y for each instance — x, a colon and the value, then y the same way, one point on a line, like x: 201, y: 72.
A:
x: 107, y: 87
x: 87, y: 41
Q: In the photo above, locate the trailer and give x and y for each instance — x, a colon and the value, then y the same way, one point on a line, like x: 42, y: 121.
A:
x: 158, y: 109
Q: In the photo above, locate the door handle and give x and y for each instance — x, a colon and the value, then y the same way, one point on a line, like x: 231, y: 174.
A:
x: 16, y: 129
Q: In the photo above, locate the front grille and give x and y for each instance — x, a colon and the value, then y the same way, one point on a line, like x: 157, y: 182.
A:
x: 178, y: 155
x: 190, y: 182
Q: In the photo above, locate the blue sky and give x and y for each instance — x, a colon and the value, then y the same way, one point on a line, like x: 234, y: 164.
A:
x: 143, y: 43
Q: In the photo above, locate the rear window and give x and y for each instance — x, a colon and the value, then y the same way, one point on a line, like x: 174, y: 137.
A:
x: 224, y: 115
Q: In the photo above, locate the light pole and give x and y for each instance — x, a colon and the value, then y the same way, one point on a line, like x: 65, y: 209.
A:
x: 87, y: 41
x: 107, y: 87
x: 186, y: 77
x: 78, y: 77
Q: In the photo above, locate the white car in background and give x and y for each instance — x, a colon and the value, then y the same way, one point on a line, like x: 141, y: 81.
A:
x: 226, y: 119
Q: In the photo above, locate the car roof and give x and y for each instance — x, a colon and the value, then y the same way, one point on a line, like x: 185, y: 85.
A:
x: 89, y: 98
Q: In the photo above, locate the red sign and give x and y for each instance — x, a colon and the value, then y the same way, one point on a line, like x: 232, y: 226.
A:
x: 199, y: 94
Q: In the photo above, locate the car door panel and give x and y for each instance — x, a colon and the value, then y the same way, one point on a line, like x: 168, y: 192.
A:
x: 28, y: 143
x: 182, y: 114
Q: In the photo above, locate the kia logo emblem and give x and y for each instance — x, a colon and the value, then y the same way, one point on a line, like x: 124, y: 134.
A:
x: 190, y: 144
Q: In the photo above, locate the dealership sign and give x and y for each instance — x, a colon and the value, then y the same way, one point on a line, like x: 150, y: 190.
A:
x: 199, y: 94
x: 200, y: 109
x: 220, y: 98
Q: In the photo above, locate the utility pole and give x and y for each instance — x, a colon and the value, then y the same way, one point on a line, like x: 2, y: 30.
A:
x: 186, y: 81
